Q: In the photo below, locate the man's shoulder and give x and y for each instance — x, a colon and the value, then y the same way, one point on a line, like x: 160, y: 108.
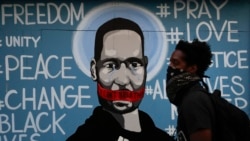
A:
x: 196, y: 95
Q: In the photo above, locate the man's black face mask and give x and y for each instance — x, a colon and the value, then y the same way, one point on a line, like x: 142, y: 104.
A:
x: 171, y: 72
x: 178, y: 80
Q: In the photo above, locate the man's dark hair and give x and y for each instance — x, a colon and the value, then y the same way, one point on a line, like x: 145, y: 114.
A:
x: 196, y: 53
x: 115, y: 24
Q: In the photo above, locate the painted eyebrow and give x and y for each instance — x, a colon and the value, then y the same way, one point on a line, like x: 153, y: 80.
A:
x: 131, y: 59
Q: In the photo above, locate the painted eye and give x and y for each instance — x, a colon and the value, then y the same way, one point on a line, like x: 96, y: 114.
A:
x: 110, y: 65
x: 135, y: 64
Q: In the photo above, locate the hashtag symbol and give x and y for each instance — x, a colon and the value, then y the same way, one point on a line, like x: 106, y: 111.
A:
x: 170, y: 129
x: 163, y: 10
x: 149, y: 90
x: 174, y: 36
x: 1, y: 104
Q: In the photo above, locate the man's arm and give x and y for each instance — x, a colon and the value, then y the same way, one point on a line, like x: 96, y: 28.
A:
x: 201, y: 135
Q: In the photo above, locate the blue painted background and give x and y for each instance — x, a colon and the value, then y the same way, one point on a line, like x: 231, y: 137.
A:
x: 45, y: 48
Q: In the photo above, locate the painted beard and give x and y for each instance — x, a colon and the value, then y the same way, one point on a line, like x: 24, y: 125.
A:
x: 119, y: 101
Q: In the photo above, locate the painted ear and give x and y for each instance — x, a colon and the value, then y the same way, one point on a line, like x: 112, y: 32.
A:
x: 93, y: 69
x: 146, y: 60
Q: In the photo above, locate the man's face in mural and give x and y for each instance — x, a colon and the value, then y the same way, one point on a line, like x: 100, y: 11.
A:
x: 121, y: 71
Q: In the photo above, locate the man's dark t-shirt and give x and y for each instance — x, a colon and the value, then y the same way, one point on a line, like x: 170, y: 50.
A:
x: 195, y: 112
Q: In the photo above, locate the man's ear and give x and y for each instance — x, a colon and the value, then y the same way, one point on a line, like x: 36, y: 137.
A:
x: 93, y: 69
x: 192, y: 68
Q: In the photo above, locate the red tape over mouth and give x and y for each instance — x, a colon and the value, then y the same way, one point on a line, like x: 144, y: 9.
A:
x: 125, y: 95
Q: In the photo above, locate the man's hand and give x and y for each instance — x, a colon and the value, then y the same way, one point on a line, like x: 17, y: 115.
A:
x: 201, y: 135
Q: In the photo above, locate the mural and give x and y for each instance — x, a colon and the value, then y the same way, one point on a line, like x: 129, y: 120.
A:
x: 47, y: 62
x: 119, y: 68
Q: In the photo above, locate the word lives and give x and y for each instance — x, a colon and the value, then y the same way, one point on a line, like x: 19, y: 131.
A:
x: 232, y: 89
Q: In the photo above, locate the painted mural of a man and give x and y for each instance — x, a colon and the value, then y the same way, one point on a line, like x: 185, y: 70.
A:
x: 119, y: 68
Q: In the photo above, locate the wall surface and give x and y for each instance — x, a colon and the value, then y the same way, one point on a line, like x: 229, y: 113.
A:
x: 46, y: 47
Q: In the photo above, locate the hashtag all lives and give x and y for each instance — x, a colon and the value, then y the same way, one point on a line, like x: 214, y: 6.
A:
x: 149, y: 90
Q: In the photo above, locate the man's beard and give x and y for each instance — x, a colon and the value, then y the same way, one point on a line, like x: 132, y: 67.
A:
x: 107, y: 97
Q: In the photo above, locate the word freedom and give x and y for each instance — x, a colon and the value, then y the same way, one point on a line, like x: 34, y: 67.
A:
x: 41, y: 13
